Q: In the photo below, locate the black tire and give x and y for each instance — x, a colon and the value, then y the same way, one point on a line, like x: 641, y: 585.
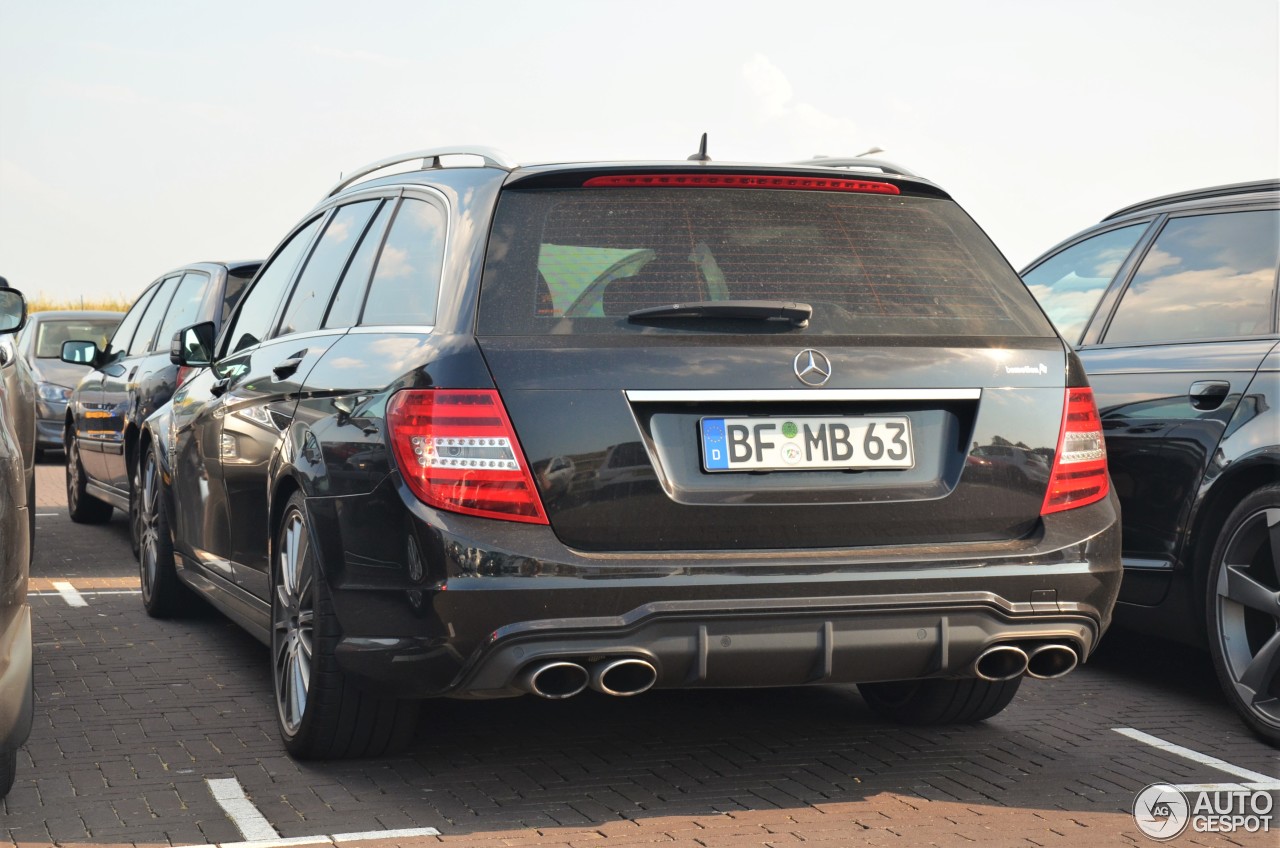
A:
x: 1243, y: 611
x: 320, y: 712
x: 83, y: 507
x: 8, y: 770
x: 164, y: 595
x: 931, y: 702
x: 135, y: 511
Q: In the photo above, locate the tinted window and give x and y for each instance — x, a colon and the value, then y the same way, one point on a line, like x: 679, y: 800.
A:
x: 1069, y: 284
x: 51, y: 334
x: 406, y: 283
x: 142, y: 339
x: 572, y: 261
x: 1205, y: 277
x: 252, y: 320
x: 345, y: 310
x: 310, y: 296
x: 233, y: 289
x: 184, y: 309
x: 124, y: 333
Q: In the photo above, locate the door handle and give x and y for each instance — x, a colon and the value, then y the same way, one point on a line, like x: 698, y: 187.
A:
x: 286, y: 368
x: 132, y: 371
x: 1208, y: 394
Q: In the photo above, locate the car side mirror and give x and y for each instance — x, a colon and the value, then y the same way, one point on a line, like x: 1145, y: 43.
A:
x: 80, y: 353
x: 13, y: 311
x: 193, y: 346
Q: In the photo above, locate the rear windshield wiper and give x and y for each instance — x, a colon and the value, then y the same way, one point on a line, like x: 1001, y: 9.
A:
x: 756, y: 310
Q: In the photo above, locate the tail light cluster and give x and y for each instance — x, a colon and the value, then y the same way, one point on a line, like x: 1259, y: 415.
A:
x: 458, y: 452
x: 1079, y: 474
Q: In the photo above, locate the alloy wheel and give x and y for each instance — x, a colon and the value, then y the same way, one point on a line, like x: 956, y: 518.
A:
x: 73, y: 474
x: 1248, y: 613
x: 293, y: 622
x: 147, y: 527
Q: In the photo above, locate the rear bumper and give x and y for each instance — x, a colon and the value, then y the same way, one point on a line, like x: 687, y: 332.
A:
x: 493, y: 598
x: 49, y: 432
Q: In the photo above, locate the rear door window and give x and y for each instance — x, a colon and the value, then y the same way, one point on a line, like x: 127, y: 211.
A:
x: 310, y: 297
x: 1205, y: 277
x: 124, y: 333
x: 145, y: 335
x: 1069, y: 284
x: 406, y: 282
x: 580, y: 260
x: 345, y: 309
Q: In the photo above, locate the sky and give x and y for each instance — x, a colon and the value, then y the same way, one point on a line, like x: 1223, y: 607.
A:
x: 139, y: 136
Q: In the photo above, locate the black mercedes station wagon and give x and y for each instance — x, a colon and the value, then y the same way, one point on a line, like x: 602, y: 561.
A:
x: 480, y: 430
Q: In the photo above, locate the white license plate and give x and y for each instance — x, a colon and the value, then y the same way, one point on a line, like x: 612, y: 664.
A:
x: 798, y: 444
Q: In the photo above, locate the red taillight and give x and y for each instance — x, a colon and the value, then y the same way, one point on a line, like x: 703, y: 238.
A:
x: 1079, y: 474
x: 458, y: 452
x: 739, y: 181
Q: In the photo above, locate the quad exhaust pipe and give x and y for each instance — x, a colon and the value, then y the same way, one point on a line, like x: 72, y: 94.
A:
x: 554, y: 679
x: 560, y: 679
x: 1046, y: 661
x: 623, y: 677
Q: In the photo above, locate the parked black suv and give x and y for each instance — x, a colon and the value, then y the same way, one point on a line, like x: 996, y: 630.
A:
x: 1171, y: 304
x: 747, y: 392
x: 131, y: 379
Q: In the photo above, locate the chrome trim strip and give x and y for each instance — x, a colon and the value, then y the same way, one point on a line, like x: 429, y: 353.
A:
x: 743, y: 395
x: 364, y: 329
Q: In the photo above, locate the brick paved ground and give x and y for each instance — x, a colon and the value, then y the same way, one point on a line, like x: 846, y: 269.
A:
x: 134, y: 715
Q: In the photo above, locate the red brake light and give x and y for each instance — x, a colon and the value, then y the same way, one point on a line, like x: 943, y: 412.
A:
x: 1079, y: 474
x: 713, y: 180
x: 458, y: 452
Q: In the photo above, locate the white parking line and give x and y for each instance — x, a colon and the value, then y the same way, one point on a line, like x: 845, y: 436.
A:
x: 252, y: 824
x: 327, y: 839
x: 90, y: 593
x: 69, y: 594
x: 1254, y: 780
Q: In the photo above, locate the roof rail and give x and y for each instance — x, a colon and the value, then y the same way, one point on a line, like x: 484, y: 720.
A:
x: 857, y: 163
x: 1253, y: 187
x: 430, y: 159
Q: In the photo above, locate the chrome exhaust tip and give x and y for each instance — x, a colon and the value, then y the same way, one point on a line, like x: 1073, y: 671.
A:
x: 555, y: 680
x: 1046, y: 662
x: 623, y: 677
x: 1000, y: 662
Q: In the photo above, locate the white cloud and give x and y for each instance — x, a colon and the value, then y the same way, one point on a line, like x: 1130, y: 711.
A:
x: 808, y: 125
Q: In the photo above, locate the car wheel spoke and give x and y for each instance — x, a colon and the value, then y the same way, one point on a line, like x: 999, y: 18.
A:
x: 1239, y: 587
x: 1272, y: 517
x: 1262, y: 669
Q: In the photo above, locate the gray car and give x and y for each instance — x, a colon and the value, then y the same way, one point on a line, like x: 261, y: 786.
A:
x: 40, y: 346
x: 16, y: 693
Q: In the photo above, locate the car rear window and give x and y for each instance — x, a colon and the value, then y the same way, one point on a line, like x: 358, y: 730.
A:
x: 566, y: 261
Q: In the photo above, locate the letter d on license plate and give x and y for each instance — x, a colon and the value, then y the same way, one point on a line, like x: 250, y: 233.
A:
x: 801, y: 444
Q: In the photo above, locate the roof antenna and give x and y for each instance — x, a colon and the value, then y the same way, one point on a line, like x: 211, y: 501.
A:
x: 701, y: 155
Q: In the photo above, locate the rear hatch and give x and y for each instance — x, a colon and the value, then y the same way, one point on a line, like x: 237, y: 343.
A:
x: 919, y: 403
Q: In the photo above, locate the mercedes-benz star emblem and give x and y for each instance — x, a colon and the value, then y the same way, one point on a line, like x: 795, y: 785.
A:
x: 812, y: 367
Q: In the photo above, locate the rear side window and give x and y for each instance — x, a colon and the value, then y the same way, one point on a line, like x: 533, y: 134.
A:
x: 142, y: 339
x: 252, y: 320
x: 232, y: 291
x: 1069, y: 284
x: 406, y: 283
x: 124, y: 333
x: 1205, y: 277
x: 184, y: 309
x: 579, y: 260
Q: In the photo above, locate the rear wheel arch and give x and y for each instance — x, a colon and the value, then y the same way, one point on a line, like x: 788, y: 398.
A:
x: 1223, y: 497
